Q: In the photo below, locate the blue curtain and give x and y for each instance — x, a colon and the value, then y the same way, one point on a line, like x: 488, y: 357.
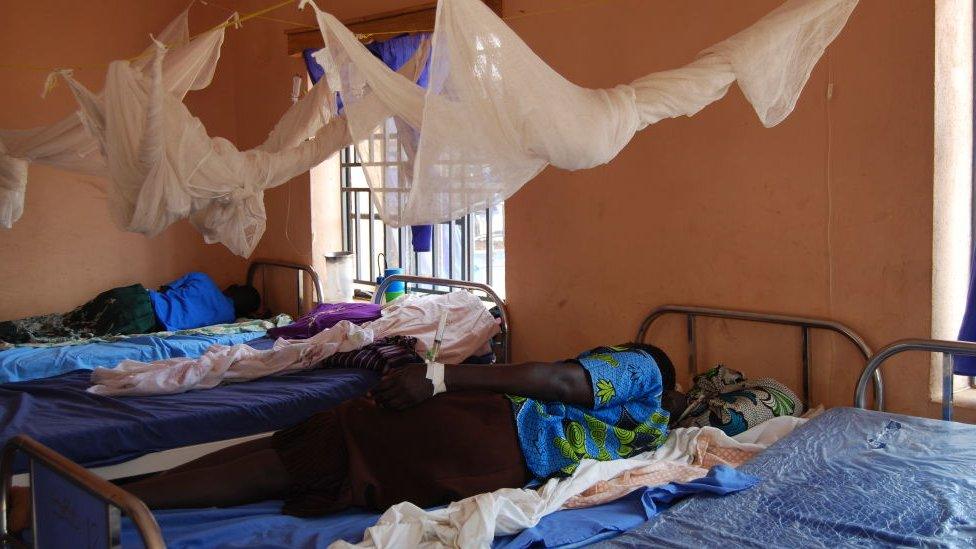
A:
x: 394, y: 53
x: 966, y: 365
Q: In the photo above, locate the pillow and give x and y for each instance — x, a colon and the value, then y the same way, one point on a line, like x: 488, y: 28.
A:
x: 191, y: 301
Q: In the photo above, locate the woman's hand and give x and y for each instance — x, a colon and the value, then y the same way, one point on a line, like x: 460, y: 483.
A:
x: 404, y: 387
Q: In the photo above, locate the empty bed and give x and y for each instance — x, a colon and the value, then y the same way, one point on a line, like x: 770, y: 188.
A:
x: 849, y: 477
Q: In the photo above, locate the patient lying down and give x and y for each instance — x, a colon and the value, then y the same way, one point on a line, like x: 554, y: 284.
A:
x: 403, y: 443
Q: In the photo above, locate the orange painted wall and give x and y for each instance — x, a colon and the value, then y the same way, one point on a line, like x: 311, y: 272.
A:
x: 827, y: 215
x: 65, y: 248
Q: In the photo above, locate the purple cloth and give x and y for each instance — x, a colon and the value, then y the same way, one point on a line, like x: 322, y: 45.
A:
x: 325, y: 316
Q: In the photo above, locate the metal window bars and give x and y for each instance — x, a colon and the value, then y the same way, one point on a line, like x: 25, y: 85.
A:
x: 805, y: 324
x: 949, y: 349
x: 455, y: 261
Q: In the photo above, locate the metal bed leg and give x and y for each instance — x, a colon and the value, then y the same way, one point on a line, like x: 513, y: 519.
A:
x: 947, y: 386
x: 806, y: 367
x: 692, y: 349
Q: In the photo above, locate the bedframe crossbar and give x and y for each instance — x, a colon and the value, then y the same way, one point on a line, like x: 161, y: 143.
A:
x: 948, y: 349
x: 91, y: 483
x: 503, y: 349
x: 300, y: 271
x: 805, y: 324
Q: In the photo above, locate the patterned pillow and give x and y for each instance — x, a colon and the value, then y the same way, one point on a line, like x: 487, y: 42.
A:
x: 724, y: 398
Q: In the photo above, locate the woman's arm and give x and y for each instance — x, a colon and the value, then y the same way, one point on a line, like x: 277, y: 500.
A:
x: 565, y: 382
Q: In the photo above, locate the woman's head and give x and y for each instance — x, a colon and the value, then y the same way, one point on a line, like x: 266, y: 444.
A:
x: 671, y: 400
x: 663, y: 363
x: 246, y: 299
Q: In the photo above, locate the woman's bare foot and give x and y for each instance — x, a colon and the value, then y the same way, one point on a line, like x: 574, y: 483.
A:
x: 19, y: 516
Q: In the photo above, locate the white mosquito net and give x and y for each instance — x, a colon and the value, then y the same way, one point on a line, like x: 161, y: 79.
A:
x: 493, y: 116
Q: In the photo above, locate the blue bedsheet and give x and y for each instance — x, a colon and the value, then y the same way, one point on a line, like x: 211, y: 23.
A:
x: 849, y: 478
x: 96, y: 430
x: 27, y: 363
x: 263, y: 525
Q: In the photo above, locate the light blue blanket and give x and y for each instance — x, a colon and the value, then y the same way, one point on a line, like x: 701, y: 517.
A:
x: 27, y: 363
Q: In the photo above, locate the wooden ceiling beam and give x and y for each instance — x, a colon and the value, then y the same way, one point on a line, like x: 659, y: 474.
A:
x: 419, y: 18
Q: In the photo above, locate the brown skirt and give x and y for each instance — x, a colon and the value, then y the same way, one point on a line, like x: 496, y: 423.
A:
x: 450, y: 447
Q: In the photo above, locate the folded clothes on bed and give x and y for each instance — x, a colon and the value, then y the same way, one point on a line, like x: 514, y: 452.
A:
x: 325, y: 316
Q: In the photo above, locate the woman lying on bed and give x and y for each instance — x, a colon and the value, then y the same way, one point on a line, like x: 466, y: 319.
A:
x: 405, y: 444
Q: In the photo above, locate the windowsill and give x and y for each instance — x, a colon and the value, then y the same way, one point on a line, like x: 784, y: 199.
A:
x: 966, y: 398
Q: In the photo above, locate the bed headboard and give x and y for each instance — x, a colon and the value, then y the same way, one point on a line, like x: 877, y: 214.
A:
x: 501, y: 344
x: 300, y: 272
x: 805, y: 324
x: 949, y: 349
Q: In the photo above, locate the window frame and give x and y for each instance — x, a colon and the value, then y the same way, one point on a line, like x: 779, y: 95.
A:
x: 349, y: 160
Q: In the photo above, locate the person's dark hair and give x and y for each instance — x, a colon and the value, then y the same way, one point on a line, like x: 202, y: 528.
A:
x: 246, y: 299
x: 663, y: 363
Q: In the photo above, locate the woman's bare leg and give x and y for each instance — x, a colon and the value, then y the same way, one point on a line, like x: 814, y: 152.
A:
x: 254, y: 476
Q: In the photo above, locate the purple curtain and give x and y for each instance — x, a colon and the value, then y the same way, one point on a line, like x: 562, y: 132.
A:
x: 394, y: 52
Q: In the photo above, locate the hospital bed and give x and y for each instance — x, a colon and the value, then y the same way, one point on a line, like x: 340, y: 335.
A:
x: 262, y: 522
x: 130, y: 436
x: 850, y: 477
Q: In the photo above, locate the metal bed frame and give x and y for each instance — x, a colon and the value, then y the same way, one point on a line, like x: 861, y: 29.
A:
x: 501, y: 344
x: 135, y: 509
x: 948, y: 349
x: 108, y: 493
x: 300, y: 271
x: 805, y: 324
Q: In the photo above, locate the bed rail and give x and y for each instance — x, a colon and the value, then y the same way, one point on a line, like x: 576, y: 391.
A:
x: 108, y: 493
x: 949, y: 350
x: 805, y: 324
x: 300, y: 271
x: 503, y: 341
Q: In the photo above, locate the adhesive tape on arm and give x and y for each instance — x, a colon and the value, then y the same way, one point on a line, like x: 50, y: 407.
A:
x: 435, y: 373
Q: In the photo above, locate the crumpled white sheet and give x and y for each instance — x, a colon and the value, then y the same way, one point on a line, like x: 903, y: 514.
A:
x: 226, y: 363
x: 468, y: 327
x: 475, y: 521
x: 495, y: 114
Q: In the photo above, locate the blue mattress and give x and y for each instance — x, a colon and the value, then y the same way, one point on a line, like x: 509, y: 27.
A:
x: 263, y: 525
x: 850, y: 478
x: 27, y: 363
x: 96, y: 430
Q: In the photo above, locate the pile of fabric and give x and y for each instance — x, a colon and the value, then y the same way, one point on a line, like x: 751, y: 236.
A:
x: 492, y: 117
x: 722, y: 397
x: 469, y: 327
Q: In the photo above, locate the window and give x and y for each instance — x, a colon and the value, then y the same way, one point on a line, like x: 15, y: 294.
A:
x: 470, y: 248
x: 953, y: 190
